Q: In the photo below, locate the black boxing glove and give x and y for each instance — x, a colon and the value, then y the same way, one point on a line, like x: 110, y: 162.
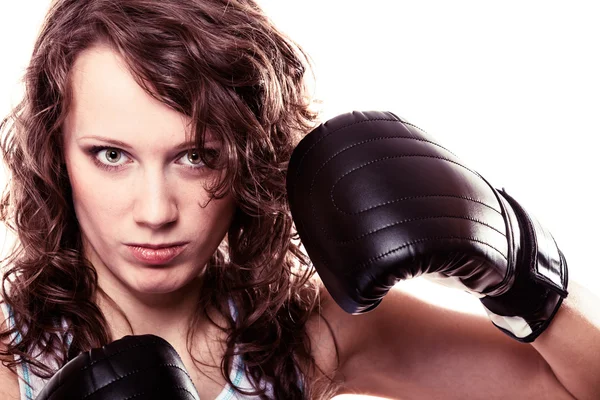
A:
x: 376, y: 200
x: 142, y: 367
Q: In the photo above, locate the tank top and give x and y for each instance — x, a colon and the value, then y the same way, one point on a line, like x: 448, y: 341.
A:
x: 30, y: 384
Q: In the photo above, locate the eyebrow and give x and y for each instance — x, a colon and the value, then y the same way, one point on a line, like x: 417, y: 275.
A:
x: 118, y: 143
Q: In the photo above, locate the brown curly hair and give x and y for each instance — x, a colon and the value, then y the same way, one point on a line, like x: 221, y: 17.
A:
x: 225, y: 65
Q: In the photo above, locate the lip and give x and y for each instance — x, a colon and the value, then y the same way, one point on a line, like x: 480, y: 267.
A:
x: 157, y: 254
x: 157, y: 245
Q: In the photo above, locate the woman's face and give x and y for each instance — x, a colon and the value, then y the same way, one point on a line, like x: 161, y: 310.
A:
x: 136, y: 182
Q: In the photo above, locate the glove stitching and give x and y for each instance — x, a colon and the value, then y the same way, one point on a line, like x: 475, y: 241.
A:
x: 372, y: 162
x: 91, y: 363
x: 298, y: 169
x: 385, y: 203
x: 401, y: 156
x: 134, y: 396
x: 398, y: 120
x: 425, y: 132
x: 173, y: 388
x: 387, y: 253
x: 373, y: 140
x: 133, y: 346
x: 135, y: 372
x: 412, y: 220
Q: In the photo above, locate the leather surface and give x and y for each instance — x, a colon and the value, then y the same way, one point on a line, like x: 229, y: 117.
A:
x: 376, y: 200
x: 142, y: 367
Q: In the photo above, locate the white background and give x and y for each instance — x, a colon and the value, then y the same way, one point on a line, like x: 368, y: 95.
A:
x: 512, y: 87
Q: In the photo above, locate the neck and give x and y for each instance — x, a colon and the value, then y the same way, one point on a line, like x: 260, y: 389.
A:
x: 131, y: 312
x: 153, y: 313
x: 167, y: 315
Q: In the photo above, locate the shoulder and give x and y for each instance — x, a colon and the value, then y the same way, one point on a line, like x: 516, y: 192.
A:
x: 384, y: 347
x: 9, y: 383
x: 407, y: 345
x: 334, y: 337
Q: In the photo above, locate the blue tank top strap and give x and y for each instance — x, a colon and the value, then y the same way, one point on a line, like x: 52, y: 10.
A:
x: 239, y: 378
x: 238, y: 375
x: 29, y: 383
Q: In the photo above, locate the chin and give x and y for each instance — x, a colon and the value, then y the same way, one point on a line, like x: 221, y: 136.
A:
x: 159, y: 281
x: 156, y: 289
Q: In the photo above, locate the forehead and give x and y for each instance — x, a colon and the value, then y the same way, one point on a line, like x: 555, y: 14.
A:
x: 108, y: 101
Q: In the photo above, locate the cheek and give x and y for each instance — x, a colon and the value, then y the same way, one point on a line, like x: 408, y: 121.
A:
x: 97, y: 206
x: 221, y: 214
x: 210, y: 224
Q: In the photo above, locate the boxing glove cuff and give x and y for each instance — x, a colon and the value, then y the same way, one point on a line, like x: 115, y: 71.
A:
x: 540, y: 282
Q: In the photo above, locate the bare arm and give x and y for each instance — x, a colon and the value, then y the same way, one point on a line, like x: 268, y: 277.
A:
x: 409, y: 349
x: 571, y: 344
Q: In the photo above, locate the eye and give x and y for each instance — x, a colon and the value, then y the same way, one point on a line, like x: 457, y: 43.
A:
x: 113, y: 156
x: 108, y: 157
x: 193, y: 157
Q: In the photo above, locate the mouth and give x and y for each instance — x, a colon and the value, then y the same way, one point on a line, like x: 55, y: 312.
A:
x: 158, y: 254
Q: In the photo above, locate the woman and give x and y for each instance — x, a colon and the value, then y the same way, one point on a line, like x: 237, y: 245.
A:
x: 169, y: 124
x: 217, y: 77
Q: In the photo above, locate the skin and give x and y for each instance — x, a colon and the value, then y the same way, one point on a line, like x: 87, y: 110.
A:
x: 153, y: 193
x: 411, y: 349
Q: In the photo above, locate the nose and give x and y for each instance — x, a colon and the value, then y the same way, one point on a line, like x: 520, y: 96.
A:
x: 155, y: 203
